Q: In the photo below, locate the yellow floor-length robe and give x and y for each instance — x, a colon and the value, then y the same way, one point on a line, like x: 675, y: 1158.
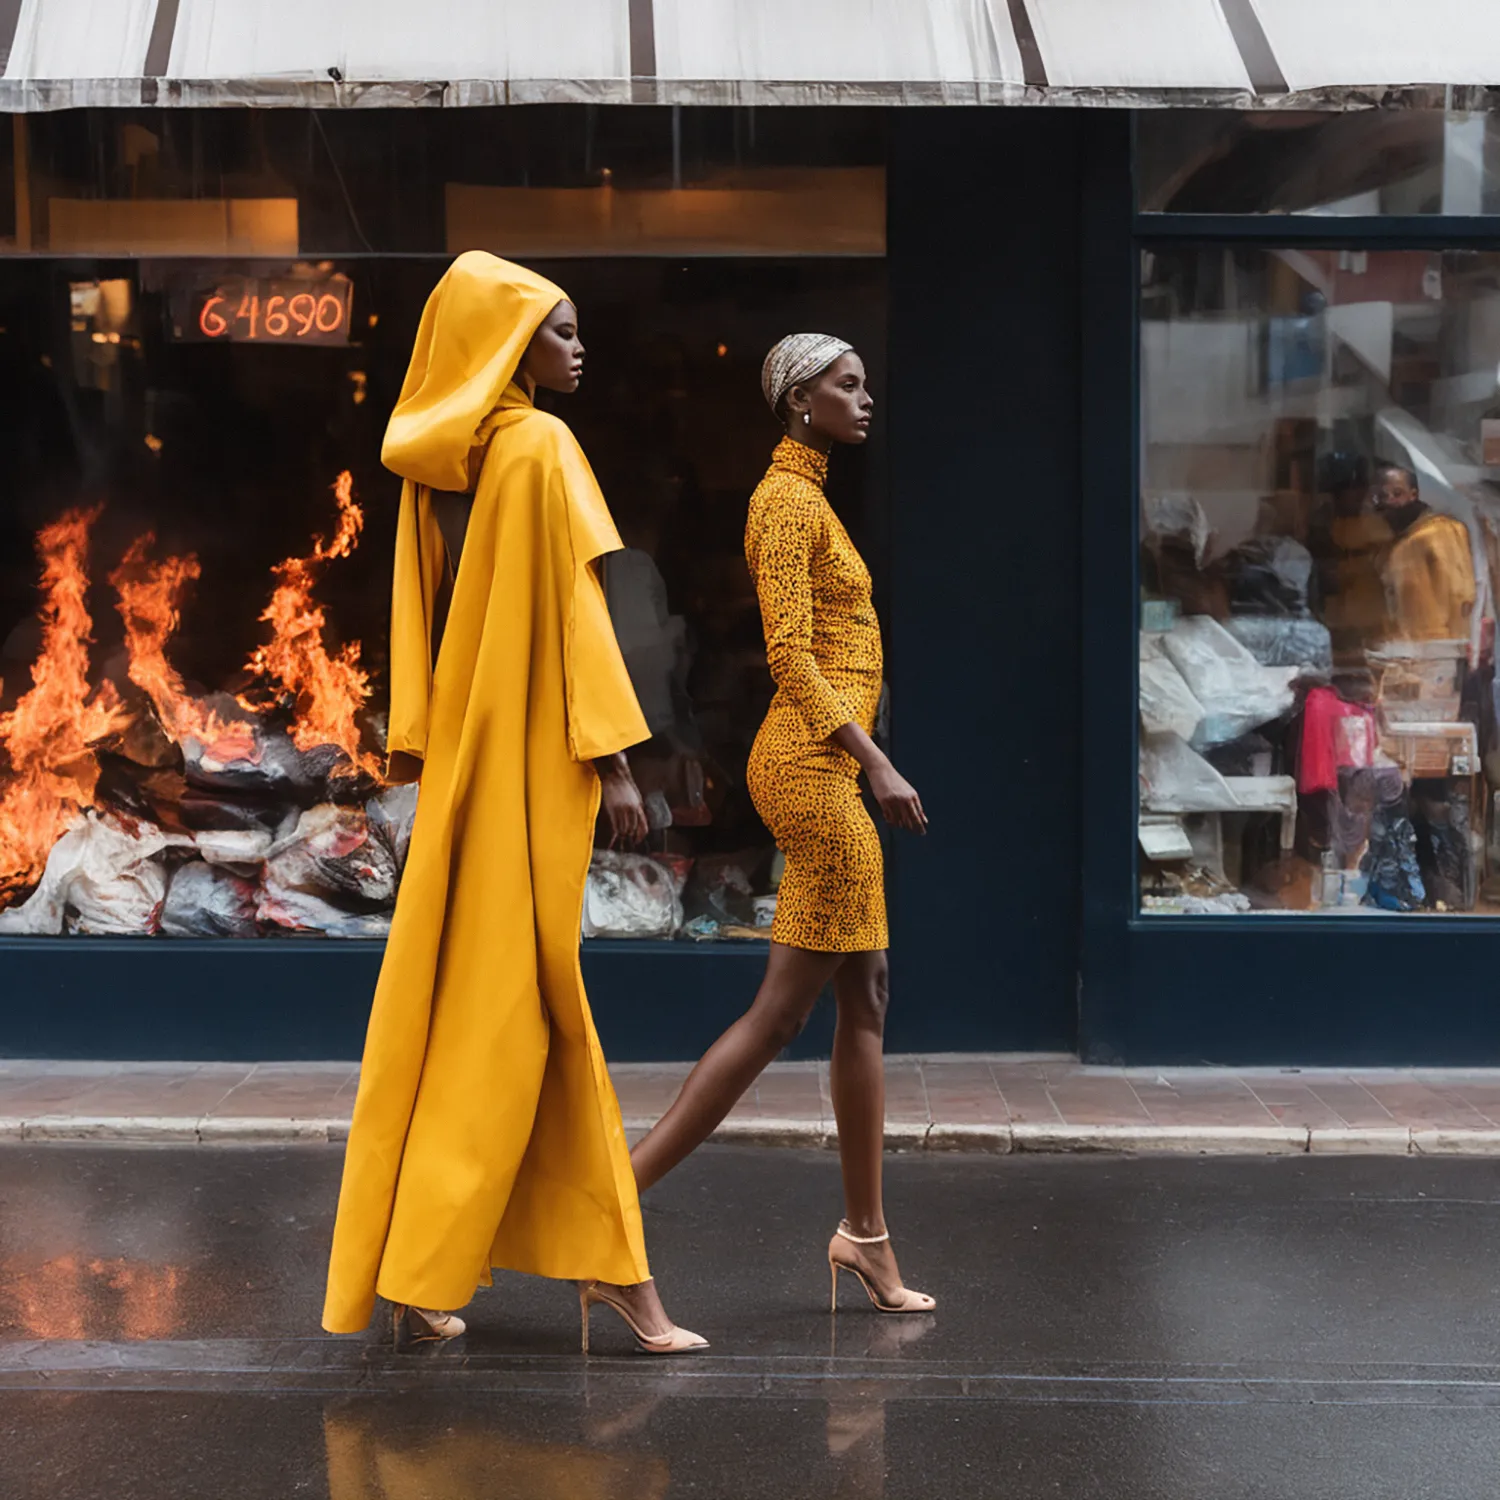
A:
x: 486, y: 1131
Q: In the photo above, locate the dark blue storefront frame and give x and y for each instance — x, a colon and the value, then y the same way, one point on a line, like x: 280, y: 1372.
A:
x: 235, y: 1000
x: 1013, y: 269
x: 1367, y: 990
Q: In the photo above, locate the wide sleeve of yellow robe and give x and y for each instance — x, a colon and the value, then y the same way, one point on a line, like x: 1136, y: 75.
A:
x: 486, y: 1131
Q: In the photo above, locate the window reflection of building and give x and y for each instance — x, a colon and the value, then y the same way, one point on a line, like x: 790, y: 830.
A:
x: 1367, y: 162
x: 1317, y: 524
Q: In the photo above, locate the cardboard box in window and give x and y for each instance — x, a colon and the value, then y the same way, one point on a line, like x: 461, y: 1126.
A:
x: 1489, y: 438
x: 1423, y: 750
x: 1419, y: 682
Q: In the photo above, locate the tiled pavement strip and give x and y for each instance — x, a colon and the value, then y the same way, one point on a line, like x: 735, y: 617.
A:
x: 954, y: 1103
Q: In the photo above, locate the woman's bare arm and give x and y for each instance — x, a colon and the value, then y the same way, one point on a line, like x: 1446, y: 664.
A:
x: 897, y: 797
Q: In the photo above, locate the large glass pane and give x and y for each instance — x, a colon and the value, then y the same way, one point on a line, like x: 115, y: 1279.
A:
x: 1320, y: 531
x: 195, y: 554
x: 1377, y: 161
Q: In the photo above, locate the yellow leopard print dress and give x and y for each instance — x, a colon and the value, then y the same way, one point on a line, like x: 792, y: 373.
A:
x: 823, y: 649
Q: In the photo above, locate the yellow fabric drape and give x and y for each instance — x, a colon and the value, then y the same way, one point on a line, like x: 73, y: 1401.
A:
x: 1429, y: 582
x: 486, y: 1131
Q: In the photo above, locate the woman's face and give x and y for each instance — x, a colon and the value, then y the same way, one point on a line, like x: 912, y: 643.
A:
x: 554, y: 357
x: 837, y: 405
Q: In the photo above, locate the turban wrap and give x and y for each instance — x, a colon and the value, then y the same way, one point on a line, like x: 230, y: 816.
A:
x: 798, y: 358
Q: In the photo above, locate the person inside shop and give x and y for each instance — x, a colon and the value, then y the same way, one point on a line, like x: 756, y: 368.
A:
x: 1430, y: 590
x: 1350, y: 539
x: 1429, y: 570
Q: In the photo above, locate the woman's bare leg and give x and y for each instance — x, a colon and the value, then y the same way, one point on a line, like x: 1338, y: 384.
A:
x: 857, y: 1082
x: 794, y: 979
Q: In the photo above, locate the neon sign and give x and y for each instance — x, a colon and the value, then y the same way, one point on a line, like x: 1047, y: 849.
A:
x: 253, y: 310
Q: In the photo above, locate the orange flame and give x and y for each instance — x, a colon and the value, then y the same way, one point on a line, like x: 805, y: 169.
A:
x: 48, y: 735
x: 329, y: 690
x: 150, y: 603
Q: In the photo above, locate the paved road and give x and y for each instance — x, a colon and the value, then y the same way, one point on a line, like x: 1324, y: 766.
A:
x: 1108, y: 1328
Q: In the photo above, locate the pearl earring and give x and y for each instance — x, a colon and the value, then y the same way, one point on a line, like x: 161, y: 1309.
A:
x: 807, y: 419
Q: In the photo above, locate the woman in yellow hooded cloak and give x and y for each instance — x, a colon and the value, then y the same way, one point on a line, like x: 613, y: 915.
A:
x: 486, y: 1131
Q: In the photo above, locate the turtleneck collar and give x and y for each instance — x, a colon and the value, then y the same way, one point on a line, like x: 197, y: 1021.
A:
x: 798, y: 458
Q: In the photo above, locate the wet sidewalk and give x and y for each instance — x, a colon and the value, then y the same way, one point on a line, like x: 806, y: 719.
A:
x: 959, y: 1103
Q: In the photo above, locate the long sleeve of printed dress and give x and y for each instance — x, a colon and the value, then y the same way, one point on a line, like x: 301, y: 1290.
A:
x: 783, y: 550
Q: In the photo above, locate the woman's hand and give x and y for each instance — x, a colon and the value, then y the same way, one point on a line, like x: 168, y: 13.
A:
x: 896, y: 795
x: 898, y: 799
x: 622, y: 802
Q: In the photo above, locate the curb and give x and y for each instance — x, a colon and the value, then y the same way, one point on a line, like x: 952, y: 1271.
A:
x: 1049, y: 1138
x: 1201, y: 1140
x: 146, y: 1130
x: 1364, y: 1140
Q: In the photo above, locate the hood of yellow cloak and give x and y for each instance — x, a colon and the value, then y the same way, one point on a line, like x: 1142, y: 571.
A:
x: 474, y: 330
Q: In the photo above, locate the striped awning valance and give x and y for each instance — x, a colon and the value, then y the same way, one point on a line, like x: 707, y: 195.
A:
x: 338, y: 53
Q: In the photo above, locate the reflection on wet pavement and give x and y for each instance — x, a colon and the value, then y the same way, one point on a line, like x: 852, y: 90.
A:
x: 370, y: 1458
x: 73, y: 1298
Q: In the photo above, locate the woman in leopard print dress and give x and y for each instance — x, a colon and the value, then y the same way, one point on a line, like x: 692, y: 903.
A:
x: 823, y: 649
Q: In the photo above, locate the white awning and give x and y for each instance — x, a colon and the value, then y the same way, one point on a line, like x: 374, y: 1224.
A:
x: 340, y: 53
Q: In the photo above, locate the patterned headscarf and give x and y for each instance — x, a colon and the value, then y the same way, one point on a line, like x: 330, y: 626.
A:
x: 798, y: 358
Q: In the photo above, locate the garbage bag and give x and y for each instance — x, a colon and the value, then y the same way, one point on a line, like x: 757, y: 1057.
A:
x: 1271, y: 575
x: 630, y: 896
x: 1175, y: 778
x: 1238, y: 694
x: 207, y: 900
x: 1167, y: 702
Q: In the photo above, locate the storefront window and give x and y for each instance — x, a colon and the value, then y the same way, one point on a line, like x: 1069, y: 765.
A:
x: 1377, y: 161
x: 195, y: 563
x: 1320, y: 531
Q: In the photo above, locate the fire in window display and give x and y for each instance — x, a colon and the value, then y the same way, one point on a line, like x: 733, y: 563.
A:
x: 195, y: 562
x: 149, y: 806
x: 1320, y: 531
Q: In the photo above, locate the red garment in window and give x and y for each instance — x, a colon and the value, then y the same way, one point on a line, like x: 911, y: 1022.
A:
x: 1334, y: 734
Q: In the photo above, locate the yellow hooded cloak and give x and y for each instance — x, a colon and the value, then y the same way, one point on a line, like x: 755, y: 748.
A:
x: 486, y: 1131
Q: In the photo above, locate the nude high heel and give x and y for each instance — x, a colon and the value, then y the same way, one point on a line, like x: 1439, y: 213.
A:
x: 676, y: 1341
x: 420, y: 1325
x: 908, y: 1302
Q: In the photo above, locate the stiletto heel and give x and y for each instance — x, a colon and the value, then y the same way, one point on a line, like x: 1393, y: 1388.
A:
x: 910, y: 1301
x: 420, y: 1325
x: 674, y: 1341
